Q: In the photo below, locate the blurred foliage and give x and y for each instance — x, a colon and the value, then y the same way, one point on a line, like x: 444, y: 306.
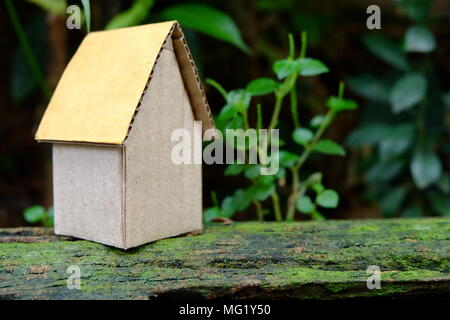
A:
x: 405, y: 122
x: 38, y: 214
x: 400, y: 145
x: 137, y: 13
x: 87, y: 14
x: 207, y: 20
x: 57, y: 7
x: 306, y: 136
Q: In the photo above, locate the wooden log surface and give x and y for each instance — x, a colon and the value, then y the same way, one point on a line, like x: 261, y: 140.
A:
x: 301, y: 260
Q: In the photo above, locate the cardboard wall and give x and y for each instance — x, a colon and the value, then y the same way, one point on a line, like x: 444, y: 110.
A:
x: 88, y: 190
x: 162, y: 199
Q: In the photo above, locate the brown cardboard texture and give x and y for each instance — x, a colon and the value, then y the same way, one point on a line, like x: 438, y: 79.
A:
x: 114, y: 181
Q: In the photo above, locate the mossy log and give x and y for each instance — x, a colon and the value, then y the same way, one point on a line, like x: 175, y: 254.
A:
x: 311, y: 260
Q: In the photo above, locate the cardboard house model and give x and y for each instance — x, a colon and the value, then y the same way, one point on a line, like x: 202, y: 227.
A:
x: 110, y: 121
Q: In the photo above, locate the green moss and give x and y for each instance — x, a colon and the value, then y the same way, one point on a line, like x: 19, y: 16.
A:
x: 363, y: 228
x: 312, y: 260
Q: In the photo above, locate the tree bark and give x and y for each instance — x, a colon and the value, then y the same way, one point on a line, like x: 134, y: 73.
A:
x: 312, y: 260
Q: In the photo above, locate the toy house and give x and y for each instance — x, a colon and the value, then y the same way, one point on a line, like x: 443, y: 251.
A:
x: 110, y: 122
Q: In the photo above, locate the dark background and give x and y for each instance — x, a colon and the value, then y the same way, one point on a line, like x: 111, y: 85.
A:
x: 335, y: 31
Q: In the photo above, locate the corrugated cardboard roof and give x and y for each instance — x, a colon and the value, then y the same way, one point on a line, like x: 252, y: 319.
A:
x: 98, y: 94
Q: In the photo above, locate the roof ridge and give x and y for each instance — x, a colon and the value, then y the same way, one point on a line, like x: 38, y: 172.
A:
x: 176, y: 28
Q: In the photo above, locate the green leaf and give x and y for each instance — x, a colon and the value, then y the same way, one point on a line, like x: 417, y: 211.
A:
x: 426, y: 168
x: 370, y: 88
x: 241, y: 199
x: 315, y: 177
x: 207, y: 20
x: 211, y: 213
x: 284, y: 68
x: 419, y: 39
x: 396, y: 141
x: 408, y: 91
x: 227, y: 112
x: 240, y: 99
x: 317, y: 120
x: 252, y: 172
x: 234, y: 169
x: 317, y: 187
x: 50, y: 221
x: 228, y: 207
x: 262, y: 86
x: 418, y: 10
x: 387, y: 50
x: 137, y: 13
x: 311, y: 67
x: 328, y: 199
x: 384, y: 171
x: 305, y: 205
x: 329, y: 147
x: 87, y: 14
x: 339, y: 104
x: 57, y: 7
x: 34, y: 214
x: 302, y: 135
x: 262, y: 189
x: 287, y: 159
x: 368, y: 134
x: 439, y: 203
x: 235, y: 123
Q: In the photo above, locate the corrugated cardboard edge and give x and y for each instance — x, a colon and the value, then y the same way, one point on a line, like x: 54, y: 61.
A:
x: 191, y: 80
x: 192, y: 84
x: 124, y: 197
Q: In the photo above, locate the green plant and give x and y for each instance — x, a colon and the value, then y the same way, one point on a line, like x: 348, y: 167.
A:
x: 405, y: 127
x: 39, y: 214
x: 198, y: 17
x: 307, y: 193
x: 32, y: 63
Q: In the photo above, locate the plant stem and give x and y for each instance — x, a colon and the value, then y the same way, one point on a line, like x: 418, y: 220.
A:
x: 291, y: 46
x: 26, y: 48
x: 218, y: 87
x: 276, y: 111
x: 259, y: 210
x: 214, y: 199
x: 294, y: 106
x: 259, y: 121
x: 245, y: 119
x: 296, y: 168
x: 282, y: 91
x: 276, y: 206
x: 304, y: 44
x: 293, y: 196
